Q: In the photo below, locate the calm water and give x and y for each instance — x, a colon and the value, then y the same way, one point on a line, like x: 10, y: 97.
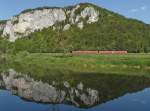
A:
x: 130, y: 102
x: 108, y: 92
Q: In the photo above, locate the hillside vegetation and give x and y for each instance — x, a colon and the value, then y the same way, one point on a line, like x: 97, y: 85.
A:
x: 130, y: 64
x: 111, y: 32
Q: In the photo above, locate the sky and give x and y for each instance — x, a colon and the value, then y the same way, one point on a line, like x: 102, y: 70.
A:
x: 138, y: 9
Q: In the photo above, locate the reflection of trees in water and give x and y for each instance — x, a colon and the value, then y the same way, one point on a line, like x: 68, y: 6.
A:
x: 33, y: 90
x: 55, y: 108
x: 109, y: 86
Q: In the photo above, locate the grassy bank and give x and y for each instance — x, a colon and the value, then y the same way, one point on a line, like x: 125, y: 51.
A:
x: 129, y: 64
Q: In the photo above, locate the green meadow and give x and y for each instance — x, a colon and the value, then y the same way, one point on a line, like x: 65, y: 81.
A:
x: 128, y: 64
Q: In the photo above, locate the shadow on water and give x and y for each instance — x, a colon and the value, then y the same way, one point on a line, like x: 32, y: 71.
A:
x: 84, y: 90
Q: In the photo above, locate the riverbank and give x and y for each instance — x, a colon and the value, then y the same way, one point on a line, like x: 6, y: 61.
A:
x: 128, y: 64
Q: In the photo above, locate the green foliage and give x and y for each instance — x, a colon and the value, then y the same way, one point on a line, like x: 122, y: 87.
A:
x: 39, y: 8
x: 2, y: 21
x: 15, y: 21
x: 129, y: 64
x: 4, y: 45
x: 111, y: 32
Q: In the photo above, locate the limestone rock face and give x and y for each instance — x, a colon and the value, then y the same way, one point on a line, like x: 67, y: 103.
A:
x: 38, y: 19
x: 33, y: 21
x: 80, y: 86
x: 66, y: 27
x: 72, y: 14
x: 38, y: 91
x: 9, y: 31
x: 2, y: 27
x: 91, y: 13
x: 80, y: 25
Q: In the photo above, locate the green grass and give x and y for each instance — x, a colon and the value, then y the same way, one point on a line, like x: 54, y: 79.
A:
x: 111, y: 75
x: 111, y: 32
x: 129, y: 64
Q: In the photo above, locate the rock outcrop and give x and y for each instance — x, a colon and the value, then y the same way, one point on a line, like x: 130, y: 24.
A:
x: 35, y: 20
x: 91, y: 14
x: 66, y: 27
x: 30, y: 89
x: 2, y: 27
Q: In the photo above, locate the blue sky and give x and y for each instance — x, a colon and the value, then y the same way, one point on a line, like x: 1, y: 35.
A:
x: 138, y: 9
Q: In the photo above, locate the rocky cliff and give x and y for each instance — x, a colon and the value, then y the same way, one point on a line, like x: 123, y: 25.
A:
x: 38, y: 19
x: 30, y: 89
x: 2, y: 25
x: 81, y: 27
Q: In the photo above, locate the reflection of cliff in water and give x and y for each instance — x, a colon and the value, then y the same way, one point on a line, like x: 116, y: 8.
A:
x: 38, y: 91
x: 82, y: 90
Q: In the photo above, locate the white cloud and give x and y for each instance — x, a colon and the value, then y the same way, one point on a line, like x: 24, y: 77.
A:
x: 142, y: 8
x: 134, y: 10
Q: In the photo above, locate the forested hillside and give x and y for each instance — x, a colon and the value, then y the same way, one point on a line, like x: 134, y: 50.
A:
x: 111, y: 32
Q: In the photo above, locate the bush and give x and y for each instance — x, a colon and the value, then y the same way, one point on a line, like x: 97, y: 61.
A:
x: 22, y: 53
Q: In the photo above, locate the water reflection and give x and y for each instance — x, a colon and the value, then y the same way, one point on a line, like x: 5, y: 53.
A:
x: 138, y: 101
x: 38, y: 91
x: 130, y: 102
x: 78, y: 89
x: 14, y: 103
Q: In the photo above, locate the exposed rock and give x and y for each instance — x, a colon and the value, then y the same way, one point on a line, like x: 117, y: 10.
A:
x: 77, y: 18
x: 33, y: 21
x: 91, y: 13
x: 68, y: 12
x: 8, y: 80
x: 54, y: 28
x: 29, y: 89
x: 66, y: 84
x: 2, y: 27
x: 72, y: 15
x: 66, y: 27
x: 8, y: 31
x: 80, y: 25
x: 1, y: 83
x: 54, y: 83
x: 80, y: 86
x: 36, y: 20
x: 77, y: 93
x: 93, y: 95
